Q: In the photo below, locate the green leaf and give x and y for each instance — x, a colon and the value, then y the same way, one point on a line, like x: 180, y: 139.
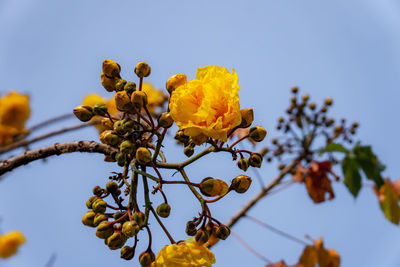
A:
x: 352, y: 177
x: 369, y: 163
x: 333, y: 148
x: 390, y: 204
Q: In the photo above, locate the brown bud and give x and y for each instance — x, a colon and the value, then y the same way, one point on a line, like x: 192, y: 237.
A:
x: 165, y: 120
x: 241, y: 183
x: 175, y: 81
x: 247, y: 117
x: 257, y: 133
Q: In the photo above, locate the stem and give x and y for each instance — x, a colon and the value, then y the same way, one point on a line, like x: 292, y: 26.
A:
x: 133, y: 191
x: 179, y: 166
x: 162, y: 226
x: 252, y: 250
x: 146, y: 196
x: 238, y: 141
x: 158, y: 147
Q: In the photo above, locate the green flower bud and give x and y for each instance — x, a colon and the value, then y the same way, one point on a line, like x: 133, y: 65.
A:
x: 112, y: 187
x: 241, y: 183
x: 163, y: 210
x: 213, y: 187
x: 104, y: 230
x: 257, y: 133
x: 130, y: 87
x: 139, y: 99
x: 165, y: 120
x: 201, y: 237
x: 146, y: 258
x: 127, y: 253
x: 188, y: 150
x: 255, y: 160
x: 119, y: 128
x: 116, y: 240
x: 120, y: 85
x: 108, y: 137
x: 97, y: 190
x: 118, y: 215
x: 99, y: 218
x: 122, y: 101
x: 130, y: 228
x: 90, y: 201
x: 247, y: 117
x: 243, y: 164
x: 88, y: 218
x: 191, y: 229
x: 126, y: 147
x: 111, y: 68
x: 83, y: 113
x: 142, y: 69
x: 140, y: 218
x: 222, y: 232
x: 100, y: 109
x: 121, y: 159
x: 99, y: 206
x: 175, y: 81
x: 143, y: 155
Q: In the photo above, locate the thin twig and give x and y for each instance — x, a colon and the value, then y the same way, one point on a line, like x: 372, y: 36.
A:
x: 50, y: 121
x: 252, y: 250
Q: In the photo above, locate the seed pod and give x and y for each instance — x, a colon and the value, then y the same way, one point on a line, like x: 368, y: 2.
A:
x: 83, y: 113
x: 175, y: 81
x: 163, y: 210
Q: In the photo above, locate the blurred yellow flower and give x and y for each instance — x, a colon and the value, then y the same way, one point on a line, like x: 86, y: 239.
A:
x: 9, y: 243
x: 185, y: 254
x: 209, y: 105
x: 92, y: 99
x: 155, y: 98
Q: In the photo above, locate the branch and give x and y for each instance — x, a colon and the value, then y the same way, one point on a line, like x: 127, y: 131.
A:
x: 56, y: 149
x: 242, y: 212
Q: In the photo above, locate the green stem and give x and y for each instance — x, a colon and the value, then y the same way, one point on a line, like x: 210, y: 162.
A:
x: 132, y: 198
x: 146, y: 196
x: 162, y: 226
x: 158, y: 147
x: 179, y: 166
x: 194, y: 191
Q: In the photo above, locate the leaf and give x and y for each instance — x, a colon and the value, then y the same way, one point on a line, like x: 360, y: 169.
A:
x: 352, y: 177
x: 389, y: 201
x: 333, y: 148
x: 369, y: 163
x: 318, y: 254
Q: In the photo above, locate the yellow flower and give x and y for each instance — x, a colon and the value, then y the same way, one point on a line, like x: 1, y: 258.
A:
x: 92, y: 99
x: 209, y: 105
x: 9, y: 243
x: 155, y: 98
x: 7, y: 134
x: 14, y: 110
x: 185, y: 254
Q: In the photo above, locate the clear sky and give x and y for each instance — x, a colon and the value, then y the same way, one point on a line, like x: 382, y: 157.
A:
x: 349, y: 50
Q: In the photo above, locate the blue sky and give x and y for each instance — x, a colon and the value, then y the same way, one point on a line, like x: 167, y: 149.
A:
x: 349, y: 50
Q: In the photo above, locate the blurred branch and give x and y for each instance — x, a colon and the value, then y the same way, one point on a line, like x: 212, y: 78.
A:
x: 50, y: 121
x: 56, y: 149
x: 252, y: 250
x: 51, y: 261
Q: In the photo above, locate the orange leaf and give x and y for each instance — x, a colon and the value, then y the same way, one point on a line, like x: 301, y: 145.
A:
x: 318, y: 254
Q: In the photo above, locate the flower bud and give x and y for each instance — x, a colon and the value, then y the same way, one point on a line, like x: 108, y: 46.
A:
x: 112, y: 186
x: 119, y: 128
x: 146, y: 258
x: 324, y: 109
x: 143, y: 155
x: 99, y: 206
x: 107, y: 124
x: 111, y: 68
x: 108, y: 83
x: 130, y: 87
x: 120, y: 85
x: 257, y: 133
x: 142, y: 69
x: 116, y: 240
x: 181, y: 137
x: 99, y: 218
x: 191, y: 229
x: 165, y: 120
x: 328, y: 101
x: 122, y: 101
x: 126, y: 147
x: 139, y: 99
x: 255, y: 160
x: 222, y: 232
x: 140, y: 218
x: 201, y: 237
x: 247, y: 117
x: 163, y: 210
x: 243, y: 164
x: 306, y: 97
x: 188, y: 150
x: 100, y: 109
x: 88, y: 218
x: 199, y: 139
x: 175, y: 81
x: 90, y: 201
x: 108, y: 137
x: 121, y: 159
x: 312, y: 106
x: 97, y: 190
x: 127, y: 253
x: 83, y: 113
x: 118, y: 215
x: 130, y: 228
x: 104, y: 230
x: 213, y: 187
x: 241, y: 183
x: 295, y: 89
